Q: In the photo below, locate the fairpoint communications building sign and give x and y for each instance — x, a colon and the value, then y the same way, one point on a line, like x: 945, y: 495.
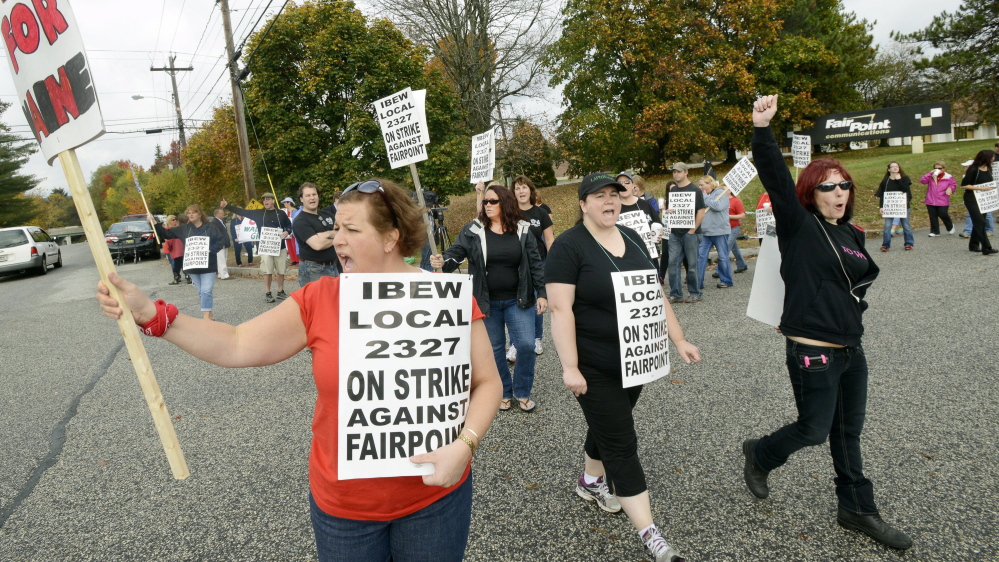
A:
x: 891, y: 122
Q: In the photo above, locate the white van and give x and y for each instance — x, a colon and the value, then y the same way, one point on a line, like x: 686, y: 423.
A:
x: 24, y: 248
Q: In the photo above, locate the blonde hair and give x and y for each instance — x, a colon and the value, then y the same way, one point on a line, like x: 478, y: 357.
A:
x: 639, y: 181
x: 170, y: 218
x: 711, y: 181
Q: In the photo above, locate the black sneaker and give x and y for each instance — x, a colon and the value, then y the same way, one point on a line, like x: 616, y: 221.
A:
x: 756, y: 477
x: 874, y: 527
x: 282, y: 295
x: 268, y: 297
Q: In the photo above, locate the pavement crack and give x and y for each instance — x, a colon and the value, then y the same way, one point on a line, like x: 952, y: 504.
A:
x: 57, y: 440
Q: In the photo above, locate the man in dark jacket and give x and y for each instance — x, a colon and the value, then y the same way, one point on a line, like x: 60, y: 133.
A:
x: 219, y: 222
x: 269, y: 217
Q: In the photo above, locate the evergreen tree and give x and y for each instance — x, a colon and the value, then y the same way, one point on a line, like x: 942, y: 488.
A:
x: 16, y: 209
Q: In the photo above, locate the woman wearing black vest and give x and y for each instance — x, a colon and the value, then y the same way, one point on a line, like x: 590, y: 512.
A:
x: 826, y: 270
x: 979, y: 172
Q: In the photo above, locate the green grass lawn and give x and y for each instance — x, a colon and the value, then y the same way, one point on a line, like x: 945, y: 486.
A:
x: 866, y: 166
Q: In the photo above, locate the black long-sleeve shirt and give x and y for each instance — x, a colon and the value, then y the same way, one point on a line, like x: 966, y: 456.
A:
x: 270, y: 218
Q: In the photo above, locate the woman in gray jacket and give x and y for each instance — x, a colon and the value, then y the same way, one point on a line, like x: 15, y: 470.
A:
x: 506, y: 271
x: 715, y: 228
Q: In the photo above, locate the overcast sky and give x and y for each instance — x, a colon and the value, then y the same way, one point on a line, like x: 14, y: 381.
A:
x: 124, y: 38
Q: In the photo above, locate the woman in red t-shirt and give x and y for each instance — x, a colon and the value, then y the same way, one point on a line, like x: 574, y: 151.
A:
x: 400, y: 518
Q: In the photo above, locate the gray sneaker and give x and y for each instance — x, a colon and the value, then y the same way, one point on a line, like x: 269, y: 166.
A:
x: 268, y: 297
x: 598, y: 492
x: 281, y: 295
x: 657, y: 547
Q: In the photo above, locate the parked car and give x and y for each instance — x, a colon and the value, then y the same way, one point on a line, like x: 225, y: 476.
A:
x: 27, y: 248
x: 129, y: 240
x: 142, y: 218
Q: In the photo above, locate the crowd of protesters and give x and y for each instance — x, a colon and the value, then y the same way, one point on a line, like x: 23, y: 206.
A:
x: 519, y: 270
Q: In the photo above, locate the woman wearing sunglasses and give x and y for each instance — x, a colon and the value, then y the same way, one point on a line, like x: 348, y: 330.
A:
x: 896, y: 180
x: 506, y: 268
x: 398, y: 518
x: 826, y: 270
x: 939, y: 187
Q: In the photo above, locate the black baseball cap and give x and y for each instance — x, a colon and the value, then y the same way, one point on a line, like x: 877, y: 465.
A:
x: 594, y: 182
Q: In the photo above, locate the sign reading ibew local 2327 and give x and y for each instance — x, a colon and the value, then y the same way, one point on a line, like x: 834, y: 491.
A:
x: 51, y: 73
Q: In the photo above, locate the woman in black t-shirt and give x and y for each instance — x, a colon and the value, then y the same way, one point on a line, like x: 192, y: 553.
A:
x: 826, y: 270
x: 541, y: 228
x: 507, y: 281
x: 979, y: 172
x: 585, y: 329
x: 896, y: 180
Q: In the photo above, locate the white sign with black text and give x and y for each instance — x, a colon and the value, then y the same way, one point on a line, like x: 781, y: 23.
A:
x: 683, y: 205
x: 639, y: 222
x: 403, y: 119
x: 988, y: 201
x: 894, y: 205
x: 196, y: 250
x: 51, y: 74
x: 405, y: 370
x: 270, y: 241
x: 483, y: 156
x: 801, y: 150
x: 740, y: 175
x: 641, y: 325
x: 764, y: 221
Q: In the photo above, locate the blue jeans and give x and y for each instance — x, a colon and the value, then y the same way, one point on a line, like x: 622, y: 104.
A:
x: 990, y: 224
x: 520, y: 323
x: 724, y: 266
x: 309, y: 271
x: 683, y: 247
x: 204, y: 283
x: 436, y: 532
x: 830, y: 392
x: 425, y: 258
x: 906, y: 230
x: 733, y: 246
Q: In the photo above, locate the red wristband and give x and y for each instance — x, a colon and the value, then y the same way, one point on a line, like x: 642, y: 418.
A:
x: 165, y: 315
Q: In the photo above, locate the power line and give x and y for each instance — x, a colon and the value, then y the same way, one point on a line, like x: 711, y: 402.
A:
x: 176, y: 27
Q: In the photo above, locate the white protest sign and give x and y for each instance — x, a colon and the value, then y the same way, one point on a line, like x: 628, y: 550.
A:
x: 639, y: 222
x: 765, y: 221
x: 740, y: 175
x: 270, y: 241
x: 196, y: 252
x: 51, y: 74
x: 641, y: 324
x: 403, y: 120
x: 894, y: 205
x: 801, y: 150
x: 766, y: 298
x: 682, y: 204
x: 988, y: 201
x: 246, y: 232
x: 483, y: 156
x: 405, y: 370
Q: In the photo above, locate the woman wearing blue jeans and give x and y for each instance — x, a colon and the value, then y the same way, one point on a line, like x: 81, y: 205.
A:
x: 895, y: 180
x: 198, y: 231
x: 506, y: 272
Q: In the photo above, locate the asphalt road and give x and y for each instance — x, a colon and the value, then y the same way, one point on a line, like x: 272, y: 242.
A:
x: 83, y: 475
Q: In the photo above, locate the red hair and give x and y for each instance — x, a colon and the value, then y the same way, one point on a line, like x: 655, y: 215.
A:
x: 815, y: 173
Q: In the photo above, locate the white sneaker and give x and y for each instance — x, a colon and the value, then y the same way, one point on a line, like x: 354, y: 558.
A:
x: 657, y: 547
x: 598, y: 492
x: 932, y: 235
x: 511, y: 354
x: 538, y: 348
x: 952, y: 230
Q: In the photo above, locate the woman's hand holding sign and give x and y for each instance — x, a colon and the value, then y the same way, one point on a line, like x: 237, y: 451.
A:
x: 142, y: 307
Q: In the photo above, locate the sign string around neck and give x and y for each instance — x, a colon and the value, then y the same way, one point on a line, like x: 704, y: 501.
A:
x: 623, y: 235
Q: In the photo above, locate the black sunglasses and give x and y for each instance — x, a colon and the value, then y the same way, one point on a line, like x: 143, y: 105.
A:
x: 829, y: 186
x: 490, y: 201
x: 372, y: 186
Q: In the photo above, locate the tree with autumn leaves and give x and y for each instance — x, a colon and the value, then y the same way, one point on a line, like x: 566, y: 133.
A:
x: 651, y: 81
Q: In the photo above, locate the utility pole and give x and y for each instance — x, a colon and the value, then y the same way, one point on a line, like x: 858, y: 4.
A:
x: 237, y: 102
x: 172, y: 71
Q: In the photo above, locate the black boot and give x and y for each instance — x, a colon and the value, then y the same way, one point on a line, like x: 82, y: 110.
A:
x: 756, y: 477
x: 874, y: 527
x: 188, y: 278
x: 176, y: 279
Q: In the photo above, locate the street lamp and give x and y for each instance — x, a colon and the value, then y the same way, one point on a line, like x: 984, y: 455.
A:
x: 180, y: 120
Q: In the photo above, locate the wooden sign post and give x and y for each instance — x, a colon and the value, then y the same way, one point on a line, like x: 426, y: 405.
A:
x: 54, y: 85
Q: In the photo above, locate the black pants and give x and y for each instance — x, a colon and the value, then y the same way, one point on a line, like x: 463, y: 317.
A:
x: 610, y: 434
x: 178, y: 266
x: 830, y: 392
x: 239, y: 250
x: 939, y: 212
x: 979, y: 240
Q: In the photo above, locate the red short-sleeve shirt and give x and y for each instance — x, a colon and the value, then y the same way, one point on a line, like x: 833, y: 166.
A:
x: 372, y: 499
x: 735, y: 207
